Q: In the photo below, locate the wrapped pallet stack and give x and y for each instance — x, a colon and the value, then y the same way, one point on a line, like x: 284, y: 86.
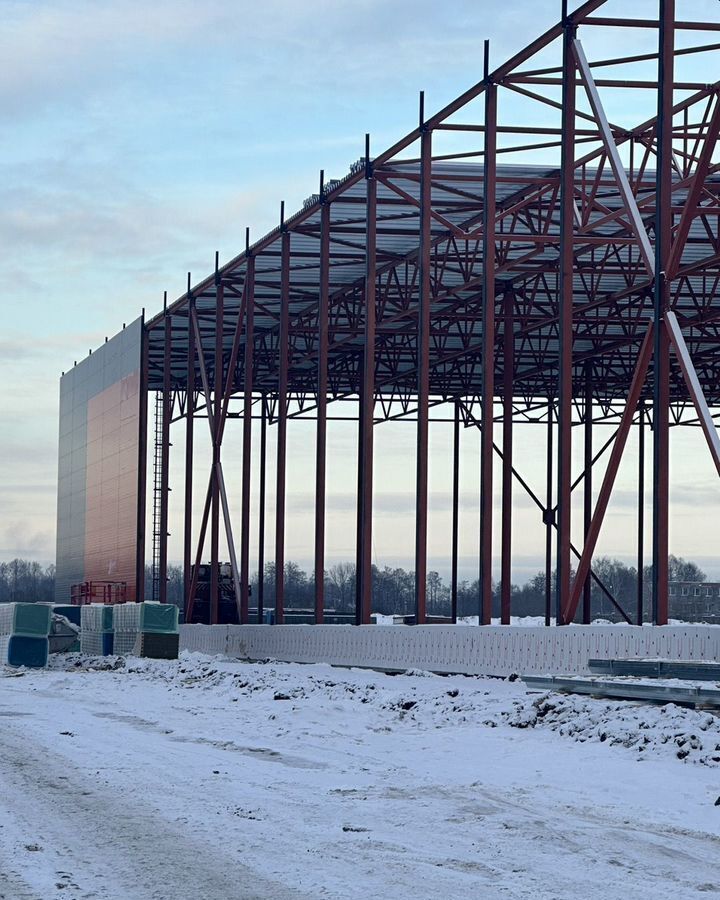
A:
x: 147, y: 629
x: 24, y: 630
x: 96, y: 635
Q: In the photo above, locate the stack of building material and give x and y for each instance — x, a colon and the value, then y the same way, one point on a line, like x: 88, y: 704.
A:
x: 96, y: 636
x: 24, y: 630
x: 147, y: 629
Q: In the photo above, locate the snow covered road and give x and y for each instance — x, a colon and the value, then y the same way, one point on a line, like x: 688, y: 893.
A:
x: 217, y: 779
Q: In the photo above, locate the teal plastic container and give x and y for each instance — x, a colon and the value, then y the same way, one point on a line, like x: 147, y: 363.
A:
x: 154, y: 618
x: 20, y: 650
x: 26, y: 619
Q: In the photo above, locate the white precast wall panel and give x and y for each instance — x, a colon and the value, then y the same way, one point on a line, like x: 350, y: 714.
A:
x: 494, y: 650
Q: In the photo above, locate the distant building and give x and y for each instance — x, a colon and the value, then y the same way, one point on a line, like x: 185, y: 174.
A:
x: 695, y: 601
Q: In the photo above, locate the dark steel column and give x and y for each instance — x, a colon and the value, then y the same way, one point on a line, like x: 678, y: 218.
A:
x: 423, y: 396
x: 565, y: 315
x: 507, y: 462
x: 261, y: 513
x: 165, y: 460
x: 663, y: 240
x: 367, y: 411
x: 455, y: 513
x: 587, y: 486
x: 488, y: 351
x: 217, y: 415
x: 641, y: 513
x: 549, y: 515
x: 321, y: 424
x: 282, y: 408
x: 248, y: 364
x: 189, y: 447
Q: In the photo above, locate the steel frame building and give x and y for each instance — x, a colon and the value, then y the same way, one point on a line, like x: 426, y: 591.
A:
x: 570, y: 293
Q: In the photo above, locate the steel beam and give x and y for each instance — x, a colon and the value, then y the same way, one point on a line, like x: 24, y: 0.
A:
x: 423, y: 383
x: 321, y: 413
x: 587, y: 486
x: 507, y: 460
x: 661, y: 386
x: 282, y: 411
x: 216, y: 420
x: 367, y: 410
x: 248, y: 367
x: 261, y: 511
x: 565, y: 337
x: 455, y: 533
x: 693, y: 383
x: 189, y: 455
x: 641, y: 516
x: 488, y: 353
x: 608, y: 482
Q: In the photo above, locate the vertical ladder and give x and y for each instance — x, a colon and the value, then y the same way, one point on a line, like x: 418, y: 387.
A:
x: 157, y: 495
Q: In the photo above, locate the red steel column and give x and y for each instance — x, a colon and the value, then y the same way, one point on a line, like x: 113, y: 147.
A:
x: 587, y: 486
x: 661, y: 386
x: 189, y: 447
x: 165, y: 460
x: 549, y: 514
x: 507, y: 461
x: 282, y: 407
x: 641, y: 515
x: 217, y: 414
x: 247, y: 440
x: 367, y: 409
x: 565, y: 314
x: 455, y: 514
x: 488, y: 352
x: 261, y: 513
x: 321, y: 431
x: 423, y: 391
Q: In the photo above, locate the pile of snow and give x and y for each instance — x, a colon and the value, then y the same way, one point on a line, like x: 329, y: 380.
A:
x: 669, y: 730
x: 424, y: 701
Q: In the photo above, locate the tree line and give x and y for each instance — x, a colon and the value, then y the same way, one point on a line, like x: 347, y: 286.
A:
x: 393, y: 588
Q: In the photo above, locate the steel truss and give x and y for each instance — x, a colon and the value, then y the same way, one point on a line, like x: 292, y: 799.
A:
x: 572, y: 293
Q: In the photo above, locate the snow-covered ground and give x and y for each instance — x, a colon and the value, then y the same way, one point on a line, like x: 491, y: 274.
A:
x: 212, y: 779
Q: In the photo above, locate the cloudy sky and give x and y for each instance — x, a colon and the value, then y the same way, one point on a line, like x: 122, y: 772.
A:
x: 137, y: 138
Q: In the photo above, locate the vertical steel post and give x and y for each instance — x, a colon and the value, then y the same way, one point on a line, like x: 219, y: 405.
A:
x: 587, y: 486
x: 455, y: 514
x: 549, y: 516
x: 217, y: 413
x: 189, y: 448
x: 321, y: 423
x: 423, y: 358
x: 488, y: 350
x: 165, y: 460
x: 282, y: 410
x: 367, y: 408
x: 249, y: 363
x: 507, y: 461
x: 261, y: 512
x: 663, y: 241
x: 565, y: 316
x: 641, y: 514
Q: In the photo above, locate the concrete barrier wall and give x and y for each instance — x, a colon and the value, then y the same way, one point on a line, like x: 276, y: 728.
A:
x: 493, y: 650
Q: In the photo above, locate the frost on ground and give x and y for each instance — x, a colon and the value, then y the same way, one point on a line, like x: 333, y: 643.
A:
x: 212, y: 778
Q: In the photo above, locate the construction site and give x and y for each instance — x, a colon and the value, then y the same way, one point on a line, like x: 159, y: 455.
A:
x: 524, y: 268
